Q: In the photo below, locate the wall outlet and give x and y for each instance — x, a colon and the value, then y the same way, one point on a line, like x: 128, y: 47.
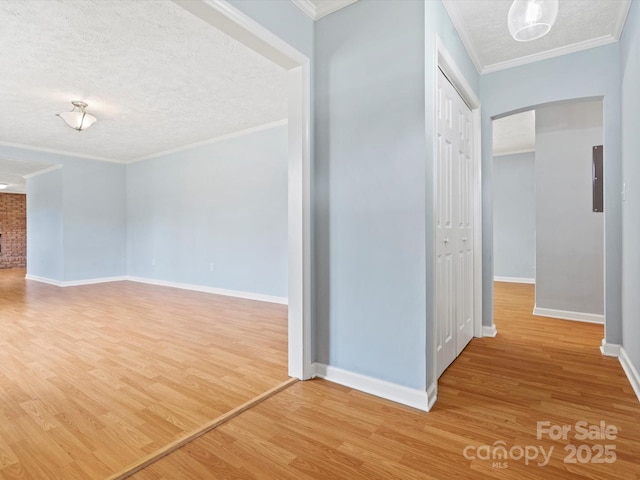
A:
x: 211, y: 267
x: 153, y: 262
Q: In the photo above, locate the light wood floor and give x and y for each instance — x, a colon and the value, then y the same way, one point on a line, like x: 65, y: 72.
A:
x: 93, y: 378
x: 537, y: 369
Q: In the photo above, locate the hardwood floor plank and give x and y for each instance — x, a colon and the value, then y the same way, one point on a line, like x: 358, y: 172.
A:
x: 96, y: 377
x: 196, y: 433
x: 537, y: 369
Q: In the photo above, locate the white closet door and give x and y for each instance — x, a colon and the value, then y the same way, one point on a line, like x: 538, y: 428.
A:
x: 464, y: 227
x: 453, y: 224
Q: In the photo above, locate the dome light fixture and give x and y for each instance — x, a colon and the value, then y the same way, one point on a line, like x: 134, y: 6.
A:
x: 78, y: 118
x: 4, y: 186
x: 531, y: 19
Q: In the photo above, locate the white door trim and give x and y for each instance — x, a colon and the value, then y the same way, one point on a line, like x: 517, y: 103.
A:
x: 223, y: 16
x: 444, y: 61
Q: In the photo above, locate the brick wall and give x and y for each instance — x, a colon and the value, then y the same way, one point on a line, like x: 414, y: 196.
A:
x: 13, y: 228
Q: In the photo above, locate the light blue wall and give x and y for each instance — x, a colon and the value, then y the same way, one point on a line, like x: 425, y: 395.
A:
x: 630, y: 67
x: 587, y: 74
x: 44, y: 225
x: 93, y: 214
x: 223, y: 203
x: 514, y: 215
x: 370, y: 150
x: 94, y: 219
x: 569, y: 235
x: 372, y: 179
x: 78, y: 222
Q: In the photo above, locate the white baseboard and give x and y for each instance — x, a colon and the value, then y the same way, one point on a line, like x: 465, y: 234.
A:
x: 489, y: 331
x: 218, y: 291
x: 74, y: 283
x: 412, y: 397
x: 568, y: 315
x: 162, y: 283
x: 50, y: 281
x: 631, y: 371
x: 609, y: 349
x: 514, y: 279
x: 432, y: 395
x: 91, y: 281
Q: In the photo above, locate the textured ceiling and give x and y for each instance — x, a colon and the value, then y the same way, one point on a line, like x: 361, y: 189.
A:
x: 581, y: 24
x: 155, y: 76
x: 12, y: 173
x: 515, y: 133
x: 316, y: 9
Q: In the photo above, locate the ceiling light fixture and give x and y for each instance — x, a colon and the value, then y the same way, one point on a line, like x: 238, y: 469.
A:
x: 78, y: 118
x: 531, y: 19
x: 4, y: 186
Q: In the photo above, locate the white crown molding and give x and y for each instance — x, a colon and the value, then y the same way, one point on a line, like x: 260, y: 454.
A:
x: 325, y: 9
x: 458, y: 24
x: 514, y: 152
x: 514, y: 279
x: 42, y: 172
x: 631, y: 371
x: 489, y: 331
x: 623, y: 12
x: 217, y: 291
x: 609, y: 349
x: 554, y: 52
x: 316, y: 12
x: 568, y: 315
x: 308, y: 8
x: 221, y: 138
x: 229, y: 136
x: 412, y: 397
x: 60, y: 152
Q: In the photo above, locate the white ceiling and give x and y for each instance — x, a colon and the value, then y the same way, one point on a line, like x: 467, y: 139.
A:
x: 156, y: 77
x: 316, y: 9
x: 515, y: 133
x: 581, y: 24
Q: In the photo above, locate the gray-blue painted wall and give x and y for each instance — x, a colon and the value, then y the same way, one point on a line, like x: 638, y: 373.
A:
x: 223, y: 203
x: 630, y: 69
x: 569, y: 235
x: 45, y: 225
x: 514, y: 215
x: 94, y: 219
x: 371, y: 152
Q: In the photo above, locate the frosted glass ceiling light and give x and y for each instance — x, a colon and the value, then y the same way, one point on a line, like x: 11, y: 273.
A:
x: 3, y: 186
x: 531, y: 19
x: 78, y: 118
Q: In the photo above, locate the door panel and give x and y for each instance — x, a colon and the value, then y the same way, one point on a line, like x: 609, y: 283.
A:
x: 453, y: 224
